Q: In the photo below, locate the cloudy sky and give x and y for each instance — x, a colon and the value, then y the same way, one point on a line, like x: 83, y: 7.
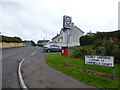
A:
x: 43, y: 19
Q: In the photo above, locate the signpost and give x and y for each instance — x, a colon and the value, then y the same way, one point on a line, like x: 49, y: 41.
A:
x: 67, y: 22
x: 107, y: 61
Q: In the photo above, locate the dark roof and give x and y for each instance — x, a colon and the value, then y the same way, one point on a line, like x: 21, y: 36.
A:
x: 43, y: 41
x: 75, y: 27
x: 56, y: 36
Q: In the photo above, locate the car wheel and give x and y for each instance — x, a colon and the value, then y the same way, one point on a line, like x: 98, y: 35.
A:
x: 48, y: 51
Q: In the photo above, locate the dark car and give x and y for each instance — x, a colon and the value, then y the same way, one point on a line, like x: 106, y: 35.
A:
x: 51, y: 48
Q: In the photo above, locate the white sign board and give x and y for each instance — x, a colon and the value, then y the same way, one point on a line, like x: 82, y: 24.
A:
x: 99, y: 60
x: 67, y: 22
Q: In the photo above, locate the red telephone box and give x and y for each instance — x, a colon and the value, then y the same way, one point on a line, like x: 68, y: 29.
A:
x: 64, y: 51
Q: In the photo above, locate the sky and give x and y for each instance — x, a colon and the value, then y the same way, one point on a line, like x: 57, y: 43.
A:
x: 43, y: 19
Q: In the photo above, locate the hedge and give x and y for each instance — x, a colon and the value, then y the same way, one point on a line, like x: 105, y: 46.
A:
x: 90, y: 39
x: 10, y: 39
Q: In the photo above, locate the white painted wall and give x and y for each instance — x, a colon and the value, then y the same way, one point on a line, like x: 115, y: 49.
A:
x: 73, y: 36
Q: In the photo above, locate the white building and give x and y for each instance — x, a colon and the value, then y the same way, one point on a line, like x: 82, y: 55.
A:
x: 74, y: 35
x: 42, y: 42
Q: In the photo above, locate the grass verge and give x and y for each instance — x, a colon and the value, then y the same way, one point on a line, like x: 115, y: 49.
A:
x: 75, y: 70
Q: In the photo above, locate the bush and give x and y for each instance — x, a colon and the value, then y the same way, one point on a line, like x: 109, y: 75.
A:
x: 116, y: 54
x: 90, y: 39
x: 86, y: 40
x: 85, y: 50
x: 98, y: 43
x: 111, y: 47
x: 10, y: 39
x: 106, y: 47
x: 17, y: 39
x: 33, y: 43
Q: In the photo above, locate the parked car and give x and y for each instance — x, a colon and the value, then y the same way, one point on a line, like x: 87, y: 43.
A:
x: 51, y: 48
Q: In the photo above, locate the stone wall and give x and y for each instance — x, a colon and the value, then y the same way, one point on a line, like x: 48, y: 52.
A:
x: 5, y: 45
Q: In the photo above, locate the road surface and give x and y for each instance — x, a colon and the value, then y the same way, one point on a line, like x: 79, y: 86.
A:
x: 11, y: 58
x: 35, y: 71
x: 38, y: 74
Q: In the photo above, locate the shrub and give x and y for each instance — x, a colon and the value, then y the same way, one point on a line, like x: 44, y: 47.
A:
x: 90, y: 39
x: 85, y: 50
x: 17, y: 39
x: 106, y: 47
x: 116, y: 54
x: 98, y: 43
x: 111, y: 47
x: 11, y: 39
x: 86, y: 40
x: 32, y: 43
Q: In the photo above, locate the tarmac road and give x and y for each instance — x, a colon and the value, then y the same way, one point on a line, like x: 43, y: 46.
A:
x: 11, y: 57
x: 38, y: 74
x: 35, y: 71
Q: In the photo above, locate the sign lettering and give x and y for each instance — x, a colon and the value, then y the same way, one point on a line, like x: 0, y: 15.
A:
x: 99, y: 60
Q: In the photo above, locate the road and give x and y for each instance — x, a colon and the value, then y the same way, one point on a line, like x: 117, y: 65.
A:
x: 11, y: 58
x: 35, y: 71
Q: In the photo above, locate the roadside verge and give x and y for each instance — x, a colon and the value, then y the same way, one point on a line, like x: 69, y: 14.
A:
x: 75, y: 69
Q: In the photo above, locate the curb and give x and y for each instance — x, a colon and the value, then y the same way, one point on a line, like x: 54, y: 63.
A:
x: 21, y: 81
x: 11, y: 47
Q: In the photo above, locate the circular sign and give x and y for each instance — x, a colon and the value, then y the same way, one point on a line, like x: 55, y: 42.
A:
x: 68, y: 20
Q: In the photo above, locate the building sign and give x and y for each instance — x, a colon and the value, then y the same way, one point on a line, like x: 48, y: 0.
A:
x: 99, y: 60
x: 67, y: 22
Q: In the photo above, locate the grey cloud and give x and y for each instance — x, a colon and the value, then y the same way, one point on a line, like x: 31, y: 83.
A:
x: 29, y: 20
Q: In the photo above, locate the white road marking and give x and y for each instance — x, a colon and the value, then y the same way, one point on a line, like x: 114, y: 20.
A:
x: 34, y: 52
x: 22, y: 83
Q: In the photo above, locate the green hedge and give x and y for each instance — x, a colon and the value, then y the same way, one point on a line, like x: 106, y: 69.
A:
x: 10, y: 39
x: 86, y: 40
x: 90, y: 39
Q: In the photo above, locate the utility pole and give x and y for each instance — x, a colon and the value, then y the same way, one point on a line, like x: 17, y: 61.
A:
x: 67, y: 46
x: 67, y: 22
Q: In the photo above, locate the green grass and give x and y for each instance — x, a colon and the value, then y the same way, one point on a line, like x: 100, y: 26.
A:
x: 75, y: 47
x: 58, y: 62
x: 79, y: 47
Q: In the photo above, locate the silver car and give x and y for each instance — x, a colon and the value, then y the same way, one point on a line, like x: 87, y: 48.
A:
x: 51, y: 48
